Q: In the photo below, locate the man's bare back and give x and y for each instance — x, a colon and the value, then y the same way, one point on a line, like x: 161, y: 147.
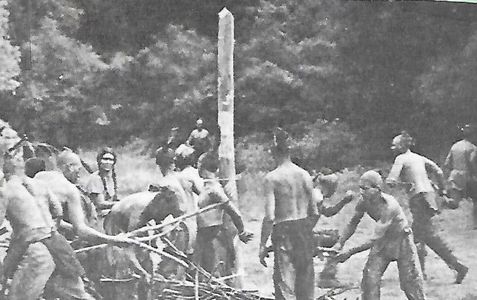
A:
x: 291, y: 187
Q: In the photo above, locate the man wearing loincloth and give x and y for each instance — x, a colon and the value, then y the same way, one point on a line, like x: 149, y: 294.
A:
x: 214, y: 245
x: 412, y: 169
x: 392, y: 241
x: 290, y: 215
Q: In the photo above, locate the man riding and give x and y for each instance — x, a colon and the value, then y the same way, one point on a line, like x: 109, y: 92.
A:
x: 199, y: 139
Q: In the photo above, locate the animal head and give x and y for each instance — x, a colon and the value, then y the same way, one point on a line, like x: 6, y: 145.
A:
x: 168, y: 201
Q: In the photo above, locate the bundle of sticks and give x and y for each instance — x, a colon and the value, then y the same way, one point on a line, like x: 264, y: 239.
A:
x: 203, y: 290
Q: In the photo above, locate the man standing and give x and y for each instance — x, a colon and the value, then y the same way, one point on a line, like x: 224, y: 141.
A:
x: 199, y: 139
x: 36, y: 250
x: 392, y: 241
x: 214, y: 245
x: 290, y: 215
x: 461, y: 172
x: 412, y: 168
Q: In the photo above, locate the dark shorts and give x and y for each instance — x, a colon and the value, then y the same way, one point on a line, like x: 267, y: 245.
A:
x: 293, y: 274
x: 214, y: 250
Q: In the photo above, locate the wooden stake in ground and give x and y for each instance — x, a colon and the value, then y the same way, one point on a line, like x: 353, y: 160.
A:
x: 226, y: 113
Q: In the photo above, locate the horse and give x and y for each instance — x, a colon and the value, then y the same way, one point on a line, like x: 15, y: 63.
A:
x: 135, y: 211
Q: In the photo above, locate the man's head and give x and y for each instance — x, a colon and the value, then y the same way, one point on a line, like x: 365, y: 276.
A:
x: 370, y: 184
x: 165, y: 159
x: 281, y: 143
x: 13, y: 163
x: 184, y: 156
x: 33, y: 166
x: 70, y: 164
x: 402, y: 142
x: 106, y: 159
x: 46, y: 153
x: 199, y: 124
x: 468, y: 132
x: 327, y: 184
x: 208, y: 164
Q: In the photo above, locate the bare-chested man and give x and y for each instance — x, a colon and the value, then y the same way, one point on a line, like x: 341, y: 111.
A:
x: 412, y: 169
x: 290, y: 215
x: 36, y: 249
x: 392, y: 241
x: 214, y: 246
x: 79, y: 217
x: 461, y: 170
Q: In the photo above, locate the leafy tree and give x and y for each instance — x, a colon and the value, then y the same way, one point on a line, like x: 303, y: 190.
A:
x: 9, y: 54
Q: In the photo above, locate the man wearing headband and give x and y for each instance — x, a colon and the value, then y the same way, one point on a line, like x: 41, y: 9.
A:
x: 79, y: 217
x: 411, y: 169
x: 102, y: 185
x: 290, y: 215
x: 461, y: 171
x: 392, y: 241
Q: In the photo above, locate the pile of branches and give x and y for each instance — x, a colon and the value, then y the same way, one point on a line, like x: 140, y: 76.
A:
x: 203, y: 290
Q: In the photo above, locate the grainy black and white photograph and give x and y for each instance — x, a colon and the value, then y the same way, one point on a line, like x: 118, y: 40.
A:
x: 244, y: 150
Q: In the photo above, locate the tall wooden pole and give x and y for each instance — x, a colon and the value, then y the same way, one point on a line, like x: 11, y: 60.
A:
x: 226, y: 115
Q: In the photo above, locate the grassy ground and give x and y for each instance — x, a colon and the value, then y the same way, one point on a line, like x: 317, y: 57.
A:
x: 136, y: 172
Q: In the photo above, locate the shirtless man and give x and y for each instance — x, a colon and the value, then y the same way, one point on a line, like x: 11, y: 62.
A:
x: 199, y: 139
x: 36, y: 250
x: 392, y: 241
x: 459, y: 166
x: 214, y: 246
x: 412, y: 168
x: 290, y: 215
x: 79, y: 217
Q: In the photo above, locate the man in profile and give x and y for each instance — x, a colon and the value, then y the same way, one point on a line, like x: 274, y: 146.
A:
x: 290, y: 215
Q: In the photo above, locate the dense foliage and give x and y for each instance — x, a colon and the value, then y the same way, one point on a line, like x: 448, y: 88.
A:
x: 96, y: 71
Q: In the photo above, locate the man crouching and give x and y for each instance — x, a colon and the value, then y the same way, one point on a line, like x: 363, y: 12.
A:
x: 392, y: 241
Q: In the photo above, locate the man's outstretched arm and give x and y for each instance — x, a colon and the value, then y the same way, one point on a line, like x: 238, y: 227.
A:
x: 267, y: 223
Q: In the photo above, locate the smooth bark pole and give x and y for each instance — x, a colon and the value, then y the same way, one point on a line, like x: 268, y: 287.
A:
x: 226, y: 117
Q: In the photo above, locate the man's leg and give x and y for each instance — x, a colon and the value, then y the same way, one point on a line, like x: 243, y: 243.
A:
x: 372, y: 274
x: 410, y: 276
x: 69, y: 287
x: 426, y: 231
x: 32, y: 274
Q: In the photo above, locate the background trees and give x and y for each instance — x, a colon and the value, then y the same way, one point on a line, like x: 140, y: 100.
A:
x: 94, y: 72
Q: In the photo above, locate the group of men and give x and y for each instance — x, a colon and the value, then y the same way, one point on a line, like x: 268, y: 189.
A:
x: 44, y: 201
x: 292, y: 208
x: 40, y: 210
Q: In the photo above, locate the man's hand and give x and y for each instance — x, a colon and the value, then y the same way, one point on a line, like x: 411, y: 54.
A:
x: 245, y: 236
x: 349, y: 196
x: 342, y: 257
x: 262, y: 254
x: 338, y: 246
x: 121, y: 239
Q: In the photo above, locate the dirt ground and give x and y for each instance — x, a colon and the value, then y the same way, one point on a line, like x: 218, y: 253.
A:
x: 456, y: 229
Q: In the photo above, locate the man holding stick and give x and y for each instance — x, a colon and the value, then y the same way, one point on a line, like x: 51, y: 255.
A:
x: 392, y: 241
x: 290, y: 215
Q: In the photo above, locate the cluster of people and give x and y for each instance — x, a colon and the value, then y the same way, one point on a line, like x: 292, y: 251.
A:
x: 52, y: 212
x: 292, y: 207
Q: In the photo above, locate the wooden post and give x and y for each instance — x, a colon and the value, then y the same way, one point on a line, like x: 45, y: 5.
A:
x: 226, y: 117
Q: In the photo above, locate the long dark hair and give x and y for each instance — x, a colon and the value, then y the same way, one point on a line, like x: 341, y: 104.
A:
x: 108, y: 150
